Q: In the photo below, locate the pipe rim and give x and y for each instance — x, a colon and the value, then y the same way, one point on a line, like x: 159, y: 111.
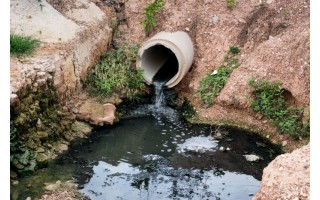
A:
x: 177, y: 52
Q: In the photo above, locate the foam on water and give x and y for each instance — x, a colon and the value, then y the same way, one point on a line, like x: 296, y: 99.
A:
x: 199, y: 144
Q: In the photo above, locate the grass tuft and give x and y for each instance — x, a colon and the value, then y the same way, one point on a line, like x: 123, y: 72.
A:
x: 149, y: 22
x: 22, y: 45
x: 212, y: 84
x: 115, y: 75
x: 231, y: 3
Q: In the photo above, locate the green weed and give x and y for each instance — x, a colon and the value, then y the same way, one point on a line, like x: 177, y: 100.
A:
x: 149, y: 23
x: 115, y: 75
x: 212, y: 84
x: 22, y: 45
x: 269, y: 101
x: 231, y: 3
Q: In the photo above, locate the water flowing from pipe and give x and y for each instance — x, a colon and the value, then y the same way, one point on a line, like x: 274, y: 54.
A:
x: 159, y: 95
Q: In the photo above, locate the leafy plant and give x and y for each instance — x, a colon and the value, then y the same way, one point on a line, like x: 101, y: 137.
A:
x: 269, y: 100
x: 212, y: 84
x: 115, y: 76
x: 231, y: 3
x: 22, y: 45
x: 234, y: 50
x: 149, y: 23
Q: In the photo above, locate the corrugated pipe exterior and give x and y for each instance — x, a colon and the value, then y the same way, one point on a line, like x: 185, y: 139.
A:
x: 162, y: 48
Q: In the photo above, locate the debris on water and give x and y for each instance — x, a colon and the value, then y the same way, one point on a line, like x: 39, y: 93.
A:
x: 151, y: 157
x: 222, y: 148
x: 199, y: 144
x: 260, y: 144
x: 252, y: 158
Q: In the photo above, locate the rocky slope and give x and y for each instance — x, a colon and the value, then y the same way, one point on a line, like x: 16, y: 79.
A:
x: 287, y: 177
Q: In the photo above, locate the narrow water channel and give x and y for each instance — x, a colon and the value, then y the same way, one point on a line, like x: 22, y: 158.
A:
x: 155, y: 155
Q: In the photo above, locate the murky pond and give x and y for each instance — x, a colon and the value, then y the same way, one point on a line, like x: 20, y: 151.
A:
x: 157, y: 156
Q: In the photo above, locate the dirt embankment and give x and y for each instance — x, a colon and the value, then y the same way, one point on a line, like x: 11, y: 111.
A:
x: 273, y: 37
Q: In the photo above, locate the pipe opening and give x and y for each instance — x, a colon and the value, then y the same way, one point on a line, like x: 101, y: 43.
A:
x: 166, y: 56
x: 159, y: 63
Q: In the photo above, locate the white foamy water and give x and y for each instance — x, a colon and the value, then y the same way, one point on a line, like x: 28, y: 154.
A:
x: 160, y: 98
x: 199, y: 144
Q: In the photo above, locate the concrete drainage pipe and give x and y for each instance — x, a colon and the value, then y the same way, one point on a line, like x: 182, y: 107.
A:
x: 167, y: 54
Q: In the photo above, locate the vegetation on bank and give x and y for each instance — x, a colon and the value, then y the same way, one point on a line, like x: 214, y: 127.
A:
x: 212, y: 84
x: 268, y: 99
x: 22, y: 45
x: 231, y: 3
x: 151, y: 11
x: 115, y: 75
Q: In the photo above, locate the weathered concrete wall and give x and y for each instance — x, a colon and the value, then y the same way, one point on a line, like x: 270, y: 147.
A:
x: 72, y: 38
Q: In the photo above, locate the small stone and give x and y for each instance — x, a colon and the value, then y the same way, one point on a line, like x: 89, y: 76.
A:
x: 49, y: 77
x: 15, y: 182
x: 53, y: 187
x: 228, y: 149
x: 42, y: 159
x: 222, y: 148
x: 39, y: 123
x: 28, y: 198
x: 284, y: 143
x: 281, y: 168
x: 13, y: 89
x: 13, y: 174
x: 62, y: 147
x: 40, y: 150
x: 252, y: 158
x: 41, y: 81
x: 215, y: 19
x: 50, y: 69
x: 14, y: 100
x: 41, y: 75
x: 74, y: 110
x: 187, y: 29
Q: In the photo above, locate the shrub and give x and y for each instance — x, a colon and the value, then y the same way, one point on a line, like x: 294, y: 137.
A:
x: 149, y: 23
x: 269, y: 101
x: 212, y: 84
x: 22, y: 45
x: 115, y: 76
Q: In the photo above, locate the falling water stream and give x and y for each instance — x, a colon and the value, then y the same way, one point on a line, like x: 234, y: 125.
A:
x: 156, y: 155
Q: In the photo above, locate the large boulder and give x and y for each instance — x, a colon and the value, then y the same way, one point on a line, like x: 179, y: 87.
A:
x: 287, y: 177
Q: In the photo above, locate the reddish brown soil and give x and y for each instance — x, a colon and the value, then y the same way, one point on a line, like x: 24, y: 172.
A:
x: 274, y: 41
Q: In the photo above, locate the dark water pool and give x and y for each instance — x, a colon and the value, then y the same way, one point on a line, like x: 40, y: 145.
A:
x: 143, y: 158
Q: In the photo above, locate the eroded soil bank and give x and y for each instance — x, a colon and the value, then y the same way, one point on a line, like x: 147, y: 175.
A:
x: 46, y: 89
